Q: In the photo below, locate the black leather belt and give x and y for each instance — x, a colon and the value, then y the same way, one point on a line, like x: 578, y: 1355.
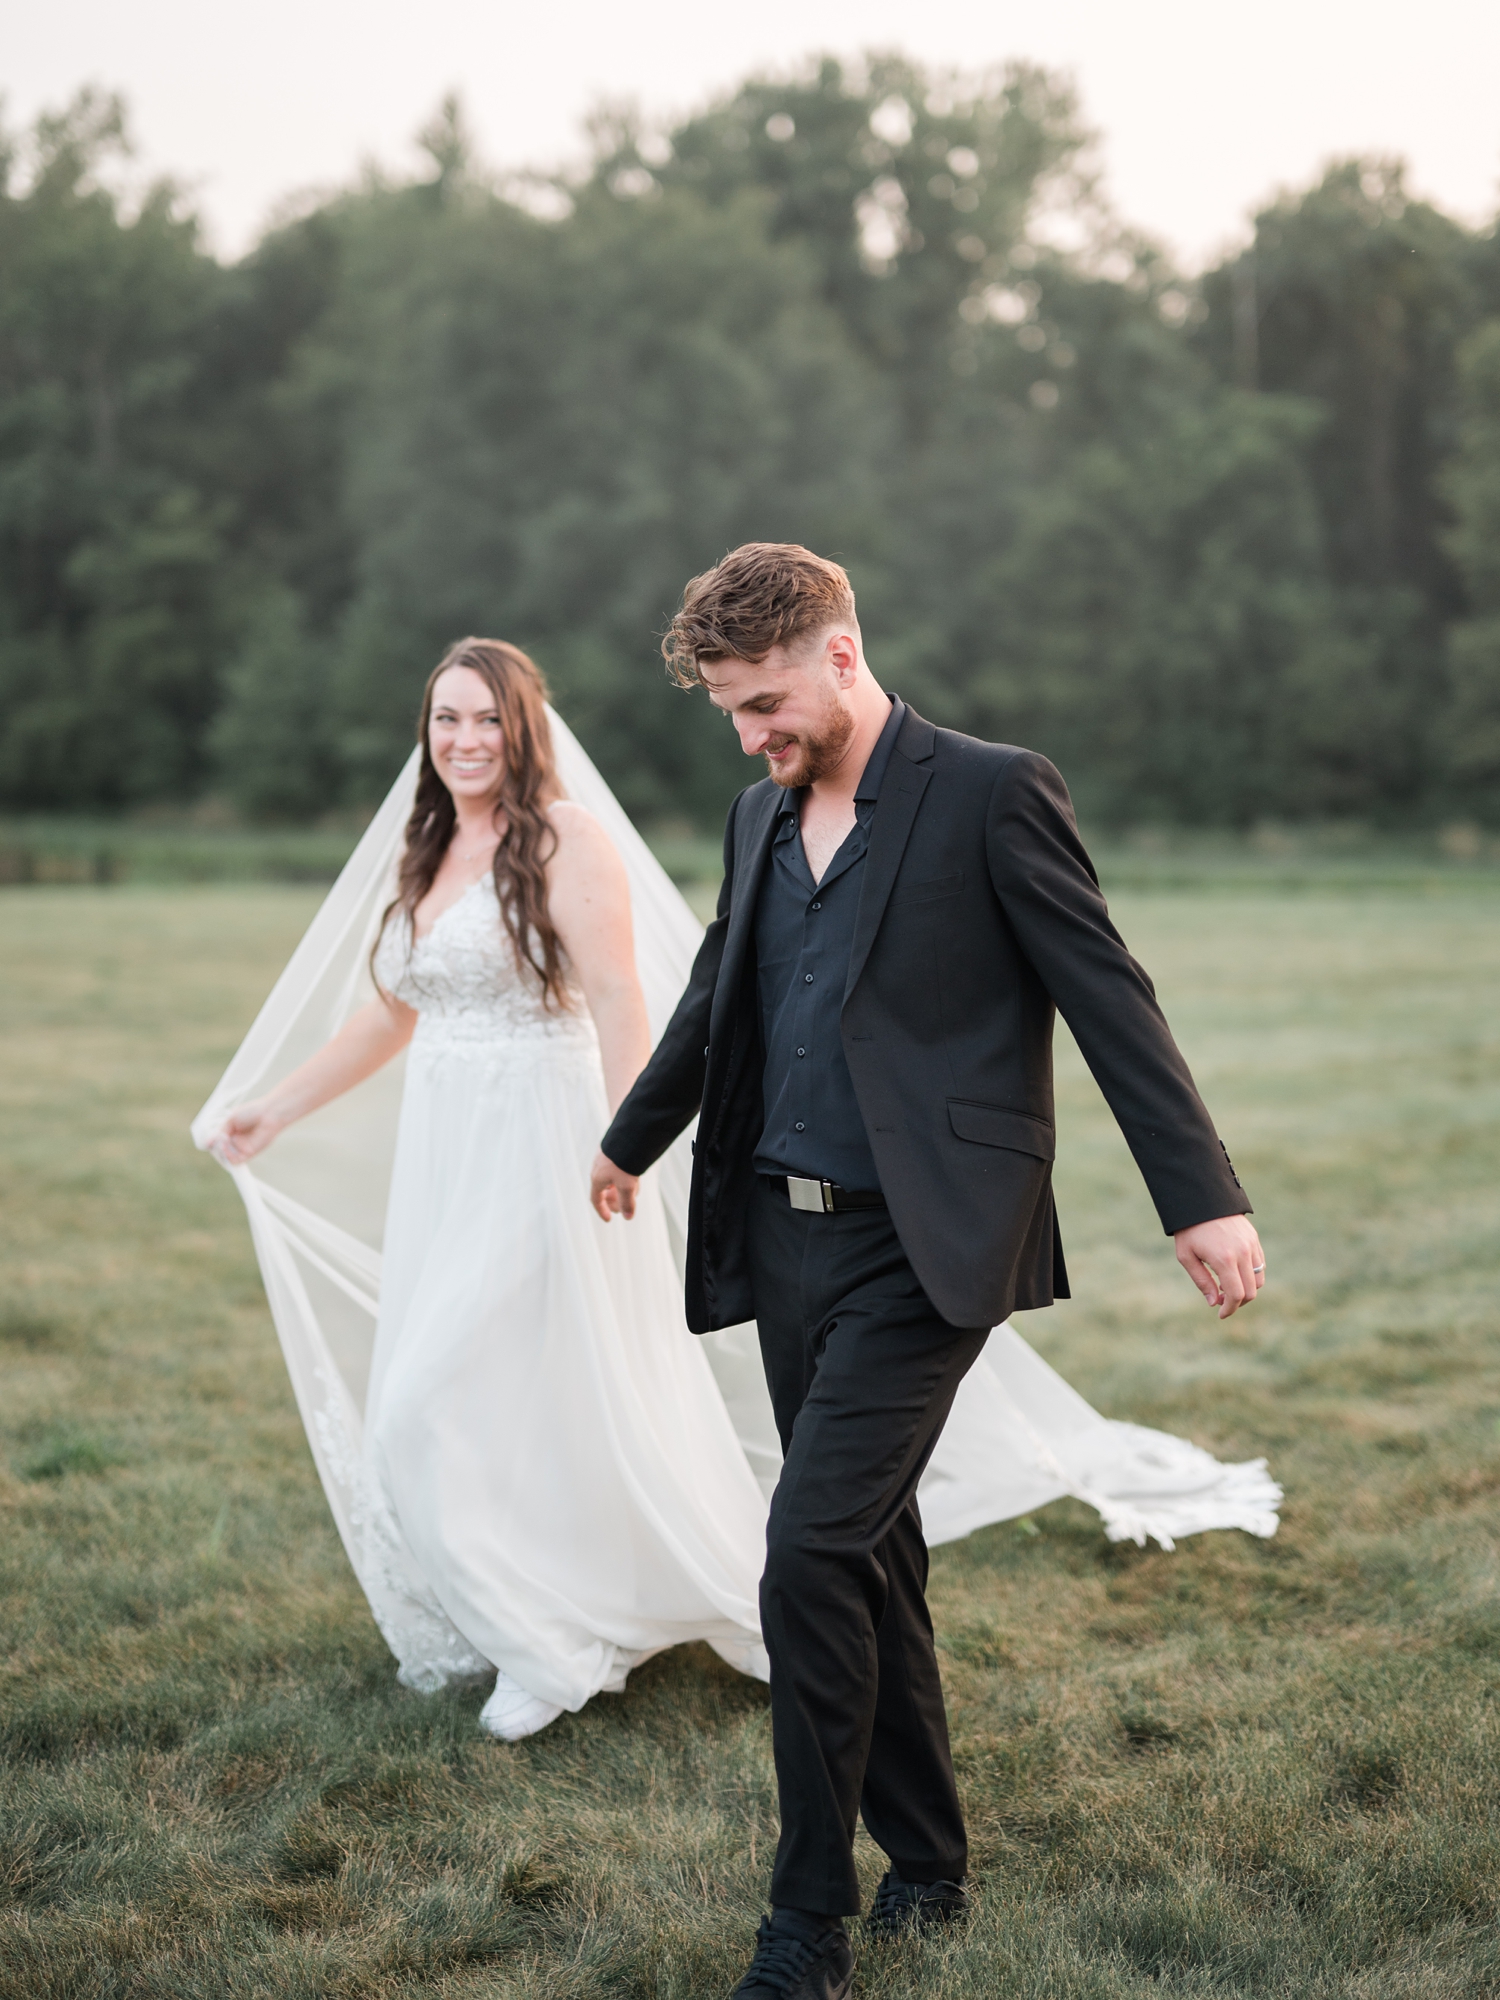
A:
x: 826, y: 1197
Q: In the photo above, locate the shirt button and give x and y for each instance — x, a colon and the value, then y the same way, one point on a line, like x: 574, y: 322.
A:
x: 807, y: 978
x: 799, y: 1126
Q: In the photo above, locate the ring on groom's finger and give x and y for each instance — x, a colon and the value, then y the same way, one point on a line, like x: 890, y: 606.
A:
x: 1257, y: 1267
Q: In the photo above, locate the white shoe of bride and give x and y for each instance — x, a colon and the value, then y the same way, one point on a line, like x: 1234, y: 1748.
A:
x: 512, y: 1713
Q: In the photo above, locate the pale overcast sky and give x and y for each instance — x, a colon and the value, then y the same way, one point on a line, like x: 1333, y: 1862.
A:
x: 1204, y: 108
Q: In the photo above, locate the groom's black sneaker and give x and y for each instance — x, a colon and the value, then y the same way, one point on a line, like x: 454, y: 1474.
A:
x: 903, y: 1907
x: 798, y: 1956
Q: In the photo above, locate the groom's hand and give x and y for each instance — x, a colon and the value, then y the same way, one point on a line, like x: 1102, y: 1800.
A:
x: 1224, y: 1260
x: 612, y: 1190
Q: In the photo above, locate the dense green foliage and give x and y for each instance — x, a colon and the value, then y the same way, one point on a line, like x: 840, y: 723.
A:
x: 1226, y: 550
x: 1244, y: 1771
x: 1473, y: 485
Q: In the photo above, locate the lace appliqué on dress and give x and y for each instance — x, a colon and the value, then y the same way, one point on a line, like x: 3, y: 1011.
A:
x: 473, y: 1001
x: 429, y: 1647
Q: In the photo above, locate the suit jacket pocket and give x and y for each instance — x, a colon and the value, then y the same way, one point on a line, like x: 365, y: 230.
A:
x: 994, y: 1125
x: 928, y: 891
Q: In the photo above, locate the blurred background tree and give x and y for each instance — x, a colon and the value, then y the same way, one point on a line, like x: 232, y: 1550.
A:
x: 110, y: 514
x: 1471, y: 720
x: 1356, y: 299
x: 1225, y: 548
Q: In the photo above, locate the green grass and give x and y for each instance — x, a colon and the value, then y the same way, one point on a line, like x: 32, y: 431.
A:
x: 1247, y: 1768
x: 52, y: 849
x: 207, y: 844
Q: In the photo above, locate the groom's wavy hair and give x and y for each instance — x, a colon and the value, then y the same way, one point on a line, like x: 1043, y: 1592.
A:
x: 528, y: 787
x: 760, y: 595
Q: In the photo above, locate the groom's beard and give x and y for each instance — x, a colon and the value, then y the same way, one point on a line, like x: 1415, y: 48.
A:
x: 816, y: 754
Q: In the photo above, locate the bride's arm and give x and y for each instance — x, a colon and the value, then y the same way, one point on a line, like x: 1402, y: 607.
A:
x: 366, y: 1042
x: 588, y: 900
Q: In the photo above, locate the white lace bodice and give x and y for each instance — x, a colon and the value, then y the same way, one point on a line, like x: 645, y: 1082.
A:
x: 471, y: 996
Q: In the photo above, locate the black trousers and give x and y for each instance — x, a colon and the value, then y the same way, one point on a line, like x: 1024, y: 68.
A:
x: 862, y: 1372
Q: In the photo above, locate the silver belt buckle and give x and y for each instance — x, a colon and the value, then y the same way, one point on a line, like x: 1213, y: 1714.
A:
x: 813, y: 1197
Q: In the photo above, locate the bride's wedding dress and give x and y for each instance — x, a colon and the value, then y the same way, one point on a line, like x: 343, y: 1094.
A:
x: 534, y: 1467
x: 559, y: 1471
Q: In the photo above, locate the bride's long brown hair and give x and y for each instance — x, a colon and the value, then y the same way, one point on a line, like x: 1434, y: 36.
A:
x: 528, y: 786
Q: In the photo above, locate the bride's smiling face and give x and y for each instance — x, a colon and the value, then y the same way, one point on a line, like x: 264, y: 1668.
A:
x: 464, y: 737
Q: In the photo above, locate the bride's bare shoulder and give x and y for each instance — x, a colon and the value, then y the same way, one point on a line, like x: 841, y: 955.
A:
x: 568, y: 817
x: 582, y: 842
x: 576, y: 827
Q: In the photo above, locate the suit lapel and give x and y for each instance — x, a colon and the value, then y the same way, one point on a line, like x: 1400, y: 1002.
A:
x: 752, y: 845
x: 907, y: 776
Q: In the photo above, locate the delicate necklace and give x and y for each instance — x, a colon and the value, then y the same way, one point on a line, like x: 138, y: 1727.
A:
x: 469, y: 853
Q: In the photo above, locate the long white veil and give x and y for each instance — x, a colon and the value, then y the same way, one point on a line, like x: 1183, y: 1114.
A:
x: 1018, y: 1436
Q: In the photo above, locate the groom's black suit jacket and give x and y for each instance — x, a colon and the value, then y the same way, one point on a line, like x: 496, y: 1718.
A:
x: 979, y: 913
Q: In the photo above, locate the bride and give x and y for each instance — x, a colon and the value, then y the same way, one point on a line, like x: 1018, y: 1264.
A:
x: 534, y: 1468
x: 555, y: 1477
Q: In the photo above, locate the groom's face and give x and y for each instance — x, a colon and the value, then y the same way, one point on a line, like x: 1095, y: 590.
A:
x: 790, y: 707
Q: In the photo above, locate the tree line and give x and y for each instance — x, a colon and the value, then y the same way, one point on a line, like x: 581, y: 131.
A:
x: 1225, y: 549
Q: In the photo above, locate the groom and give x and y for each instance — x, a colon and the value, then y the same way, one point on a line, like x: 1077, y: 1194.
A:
x: 867, y: 1041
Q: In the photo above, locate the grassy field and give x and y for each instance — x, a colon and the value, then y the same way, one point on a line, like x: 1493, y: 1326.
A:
x: 204, y: 844
x: 1246, y: 1768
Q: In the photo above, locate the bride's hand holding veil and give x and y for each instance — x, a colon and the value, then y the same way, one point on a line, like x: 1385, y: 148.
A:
x: 369, y: 1039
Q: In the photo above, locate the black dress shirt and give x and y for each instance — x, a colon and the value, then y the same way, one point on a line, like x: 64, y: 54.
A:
x: 803, y: 935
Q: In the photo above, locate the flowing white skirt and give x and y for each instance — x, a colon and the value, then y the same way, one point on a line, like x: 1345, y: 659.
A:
x: 544, y: 1437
